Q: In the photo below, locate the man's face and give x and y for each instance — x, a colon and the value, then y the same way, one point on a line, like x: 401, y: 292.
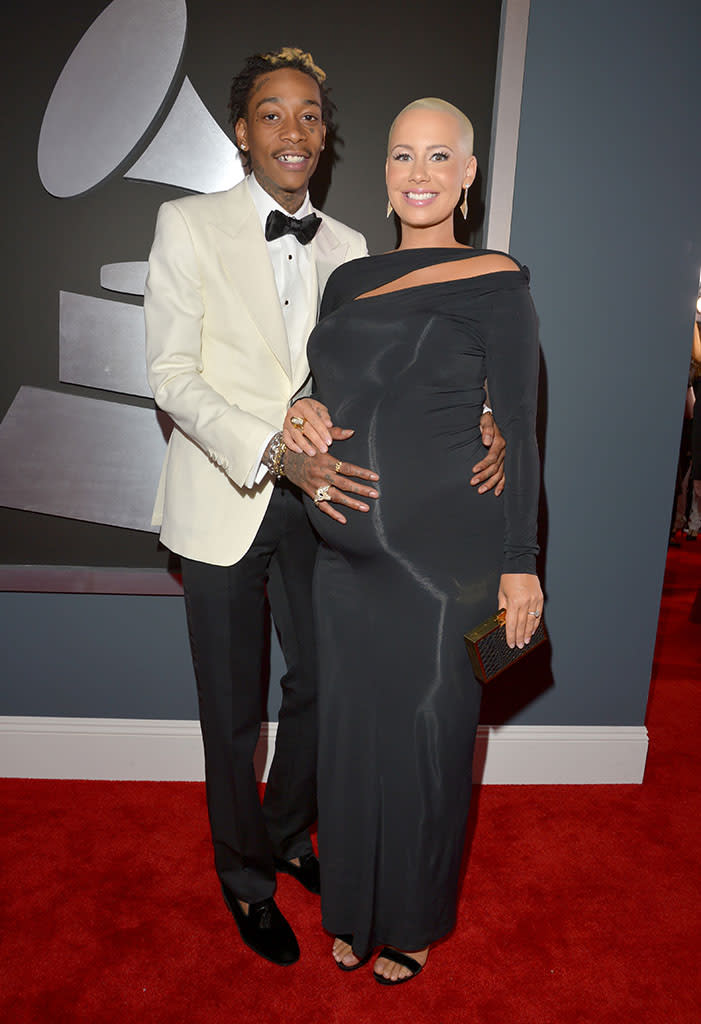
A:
x: 283, y: 133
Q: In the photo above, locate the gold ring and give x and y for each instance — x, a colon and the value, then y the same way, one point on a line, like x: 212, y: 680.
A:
x: 338, y: 465
x: 322, y: 494
x: 297, y: 422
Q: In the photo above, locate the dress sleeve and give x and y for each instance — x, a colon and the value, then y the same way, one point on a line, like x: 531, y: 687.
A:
x: 512, y: 362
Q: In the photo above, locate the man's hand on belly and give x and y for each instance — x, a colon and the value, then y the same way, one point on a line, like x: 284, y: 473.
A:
x: 328, y: 480
x: 489, y: 473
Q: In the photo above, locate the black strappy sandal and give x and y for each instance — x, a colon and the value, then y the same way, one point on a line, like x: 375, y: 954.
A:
x: 360, y: 963
x: 386, y: 953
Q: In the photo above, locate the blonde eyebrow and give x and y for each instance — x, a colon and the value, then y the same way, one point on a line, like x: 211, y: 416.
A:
x: 434, y: 145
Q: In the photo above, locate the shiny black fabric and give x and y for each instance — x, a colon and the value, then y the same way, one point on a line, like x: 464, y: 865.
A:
x: 396, y: 588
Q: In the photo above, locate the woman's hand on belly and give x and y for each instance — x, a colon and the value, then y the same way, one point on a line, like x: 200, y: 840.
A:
x: 327, y: 480
x: 308, y: 428
x: 521, y: 595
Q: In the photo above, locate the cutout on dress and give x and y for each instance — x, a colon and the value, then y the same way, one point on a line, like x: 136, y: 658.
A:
x: 437, y: 273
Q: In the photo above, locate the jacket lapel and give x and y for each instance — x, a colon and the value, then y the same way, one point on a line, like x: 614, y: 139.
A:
x: 301, y: 369
x: 329, y: 252
x: 240, y: 245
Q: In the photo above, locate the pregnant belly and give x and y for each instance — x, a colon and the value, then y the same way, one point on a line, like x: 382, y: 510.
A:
x: 426, y: 509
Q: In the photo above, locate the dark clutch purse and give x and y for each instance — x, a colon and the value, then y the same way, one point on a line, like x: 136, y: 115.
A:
x: 489, y: 652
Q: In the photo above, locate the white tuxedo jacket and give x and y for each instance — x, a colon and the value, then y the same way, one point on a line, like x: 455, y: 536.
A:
x: 218, y: 363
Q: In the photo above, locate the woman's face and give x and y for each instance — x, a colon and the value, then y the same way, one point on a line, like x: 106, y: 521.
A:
x: 427, y: 167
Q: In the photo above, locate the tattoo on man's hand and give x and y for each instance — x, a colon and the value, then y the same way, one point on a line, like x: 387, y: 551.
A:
x: 296, y: 466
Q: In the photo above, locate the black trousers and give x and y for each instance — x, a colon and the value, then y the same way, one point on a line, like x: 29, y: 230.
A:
x: 226, y: 612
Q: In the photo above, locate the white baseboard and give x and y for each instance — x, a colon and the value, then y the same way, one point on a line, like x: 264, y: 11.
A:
x: 142, y: 749
x: 560, y: 754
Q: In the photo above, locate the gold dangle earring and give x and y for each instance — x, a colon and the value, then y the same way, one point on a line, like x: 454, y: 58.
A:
x: 390, y: 209
x: 463, y: 205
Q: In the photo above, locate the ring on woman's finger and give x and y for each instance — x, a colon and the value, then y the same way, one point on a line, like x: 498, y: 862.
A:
x: 338, y: 465
x: 297, y: 422
x: 536, y: 614
x: 322, y: 494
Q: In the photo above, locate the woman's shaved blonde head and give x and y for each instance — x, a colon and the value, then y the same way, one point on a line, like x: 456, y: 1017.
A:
x: 467, y: 135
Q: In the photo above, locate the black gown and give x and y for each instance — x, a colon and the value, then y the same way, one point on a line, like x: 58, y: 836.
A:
x: 396, y: 588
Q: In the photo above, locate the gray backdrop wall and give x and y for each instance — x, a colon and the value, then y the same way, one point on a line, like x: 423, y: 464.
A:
x: 607, y: 212
x: 607, y: 215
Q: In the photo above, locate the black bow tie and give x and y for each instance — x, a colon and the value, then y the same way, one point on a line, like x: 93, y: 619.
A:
x: 279, y: 224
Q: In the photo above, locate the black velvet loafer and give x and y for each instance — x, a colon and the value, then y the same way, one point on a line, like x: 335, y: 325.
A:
x: 265, y: 930
x: 307, y: 873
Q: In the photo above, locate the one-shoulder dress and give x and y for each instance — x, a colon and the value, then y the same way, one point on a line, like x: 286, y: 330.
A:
x: 396, y: 588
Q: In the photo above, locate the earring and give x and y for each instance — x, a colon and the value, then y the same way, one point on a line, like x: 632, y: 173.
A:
x: 463, y: 205
x: 390, y: 209
x: 243, y: 146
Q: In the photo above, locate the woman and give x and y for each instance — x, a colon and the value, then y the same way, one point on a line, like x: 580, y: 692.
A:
x: 401, y: 352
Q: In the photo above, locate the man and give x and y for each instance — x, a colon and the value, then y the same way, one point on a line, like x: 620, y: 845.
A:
x: 232, y: 294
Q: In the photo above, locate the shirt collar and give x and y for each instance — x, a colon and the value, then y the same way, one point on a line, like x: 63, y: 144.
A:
x: 265, y: 203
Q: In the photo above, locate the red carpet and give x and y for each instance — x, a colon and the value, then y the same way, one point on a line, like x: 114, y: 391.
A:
x: 580, y: 904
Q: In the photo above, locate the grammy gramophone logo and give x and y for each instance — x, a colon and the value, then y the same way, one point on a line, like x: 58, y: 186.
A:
x: 84, y: 458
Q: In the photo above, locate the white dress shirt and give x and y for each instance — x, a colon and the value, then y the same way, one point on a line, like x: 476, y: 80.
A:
x: 293, y: 268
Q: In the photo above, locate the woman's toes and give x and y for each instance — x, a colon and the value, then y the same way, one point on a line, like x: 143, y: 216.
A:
x: 396, y: 972
x: 388, y: 969
x: 343, y: 953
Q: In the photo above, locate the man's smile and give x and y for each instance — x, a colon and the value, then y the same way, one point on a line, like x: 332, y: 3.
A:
x: 292, y: 158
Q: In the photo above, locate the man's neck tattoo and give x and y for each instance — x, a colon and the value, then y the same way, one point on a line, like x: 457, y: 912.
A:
x: 289, y: 201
